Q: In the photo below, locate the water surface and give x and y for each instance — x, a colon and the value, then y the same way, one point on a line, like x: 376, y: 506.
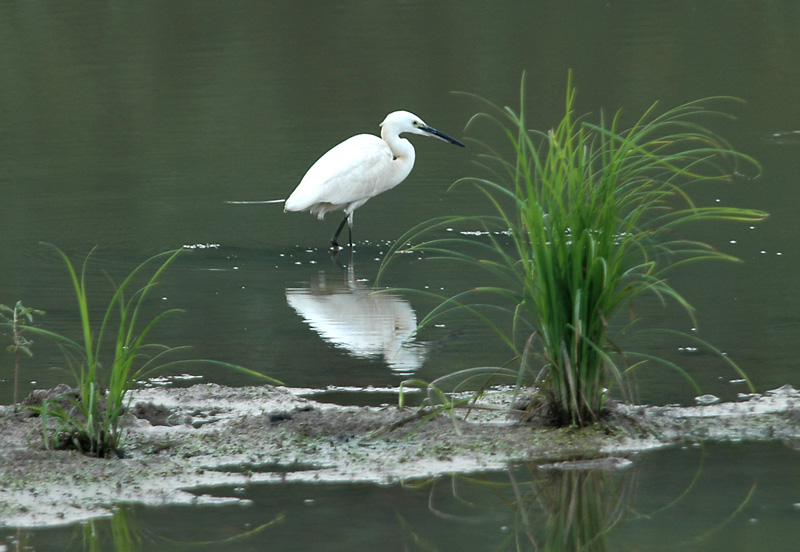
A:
x: 714, y: 497
x: 130, y: 127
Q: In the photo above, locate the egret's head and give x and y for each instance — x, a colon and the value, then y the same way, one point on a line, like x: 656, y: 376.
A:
x: 399, y: 122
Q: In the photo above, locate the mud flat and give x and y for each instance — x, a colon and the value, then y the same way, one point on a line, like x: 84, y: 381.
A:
x: 178, y: 440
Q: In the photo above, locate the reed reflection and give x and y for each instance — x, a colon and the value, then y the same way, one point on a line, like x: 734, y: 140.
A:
x: 567, y: 506
x: 581, y: 507
x: 593, y: 506
x: 363, y: 322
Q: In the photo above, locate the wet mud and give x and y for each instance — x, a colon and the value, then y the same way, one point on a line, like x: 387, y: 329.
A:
x: 180, y: 440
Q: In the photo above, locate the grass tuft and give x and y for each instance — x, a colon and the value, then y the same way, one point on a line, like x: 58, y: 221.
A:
x: 109, y: 360
x: 584, y: 219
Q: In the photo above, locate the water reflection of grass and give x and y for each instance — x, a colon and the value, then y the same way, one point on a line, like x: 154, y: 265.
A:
x: 123, y: 533
x: 552, y: 509
x: 592, y: 212
x: 578, y: 506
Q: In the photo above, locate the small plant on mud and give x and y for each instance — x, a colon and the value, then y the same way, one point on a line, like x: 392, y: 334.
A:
x: 16, y: 320
x: 106, y: 367
x: 92, y: 421
x: 590, y: 212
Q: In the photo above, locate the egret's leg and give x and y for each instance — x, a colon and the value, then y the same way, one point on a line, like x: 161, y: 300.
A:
x: 350, y: 230
x: 335, y: 238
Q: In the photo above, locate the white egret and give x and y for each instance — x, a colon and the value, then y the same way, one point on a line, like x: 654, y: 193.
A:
x: 359, y: 168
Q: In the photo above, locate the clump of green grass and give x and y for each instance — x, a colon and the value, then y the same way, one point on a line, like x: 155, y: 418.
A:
x: 109, y: 360
x: 590, y: 210
x: 92, y: 423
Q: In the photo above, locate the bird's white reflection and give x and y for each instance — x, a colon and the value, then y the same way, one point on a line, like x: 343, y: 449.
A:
x: 366, y: 324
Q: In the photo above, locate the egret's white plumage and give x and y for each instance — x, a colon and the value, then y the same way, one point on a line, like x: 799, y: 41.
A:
x: 360, y: 168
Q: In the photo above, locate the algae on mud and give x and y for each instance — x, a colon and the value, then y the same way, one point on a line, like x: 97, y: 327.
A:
x: 235, y: 436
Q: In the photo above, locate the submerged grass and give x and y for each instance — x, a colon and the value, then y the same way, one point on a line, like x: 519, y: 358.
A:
x: 591, y: 211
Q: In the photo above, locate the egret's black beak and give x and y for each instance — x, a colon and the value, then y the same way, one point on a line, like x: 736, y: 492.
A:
x: 441, y: 135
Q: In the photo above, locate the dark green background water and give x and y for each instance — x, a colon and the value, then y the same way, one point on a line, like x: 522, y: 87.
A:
x: 129, y: 127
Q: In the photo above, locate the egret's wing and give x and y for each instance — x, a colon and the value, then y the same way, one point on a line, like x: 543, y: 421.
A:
x: 351, y: 171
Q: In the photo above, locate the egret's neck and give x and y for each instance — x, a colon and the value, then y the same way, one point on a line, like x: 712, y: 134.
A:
x: 401, y: 148
x: 403, y: 153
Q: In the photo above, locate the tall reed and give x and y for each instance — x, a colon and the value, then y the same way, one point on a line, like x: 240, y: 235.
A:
x: 591, y: 212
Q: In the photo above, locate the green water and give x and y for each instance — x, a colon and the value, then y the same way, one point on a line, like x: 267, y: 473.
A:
x: 712, y: 498
x: 129, y: 127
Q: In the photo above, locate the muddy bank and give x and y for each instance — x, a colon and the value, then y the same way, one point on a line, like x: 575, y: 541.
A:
x: 208, y: 435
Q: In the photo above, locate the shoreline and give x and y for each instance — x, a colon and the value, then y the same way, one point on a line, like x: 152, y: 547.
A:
x: 208, y: 435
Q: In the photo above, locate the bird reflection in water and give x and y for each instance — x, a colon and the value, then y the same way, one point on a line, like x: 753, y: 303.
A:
x: 356, y: 318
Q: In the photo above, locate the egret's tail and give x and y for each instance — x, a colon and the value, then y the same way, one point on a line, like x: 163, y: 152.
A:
x: 255, y: 202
